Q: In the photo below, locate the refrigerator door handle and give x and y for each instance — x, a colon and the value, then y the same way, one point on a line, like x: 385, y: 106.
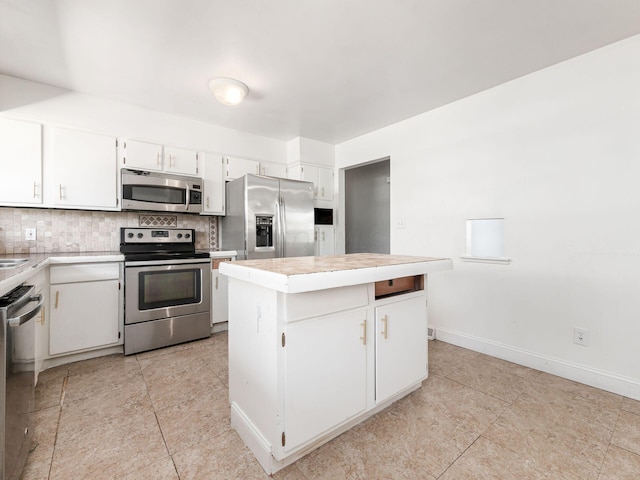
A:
x: 284, y: 226
x: 278, y: 232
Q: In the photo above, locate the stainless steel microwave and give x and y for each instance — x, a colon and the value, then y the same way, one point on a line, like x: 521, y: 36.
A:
x: 162, y: 192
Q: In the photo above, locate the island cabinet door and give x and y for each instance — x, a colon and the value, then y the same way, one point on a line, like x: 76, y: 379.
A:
x: 401, y: 346
x: 325, y: 374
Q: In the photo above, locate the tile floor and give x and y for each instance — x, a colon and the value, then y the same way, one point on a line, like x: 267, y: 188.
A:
x: 165, y: 415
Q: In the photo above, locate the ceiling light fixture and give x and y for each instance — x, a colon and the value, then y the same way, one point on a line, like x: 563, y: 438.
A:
x: 228, y: 91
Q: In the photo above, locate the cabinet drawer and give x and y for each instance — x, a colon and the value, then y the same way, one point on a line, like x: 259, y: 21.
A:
x: 299, y: 306
x: 397, y: 286
x: 84, y: 272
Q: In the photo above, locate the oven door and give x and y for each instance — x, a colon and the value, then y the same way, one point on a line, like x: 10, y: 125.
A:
x: 171, y: 289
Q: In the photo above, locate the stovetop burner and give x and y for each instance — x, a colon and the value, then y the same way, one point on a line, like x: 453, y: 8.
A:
x: 147, y: 244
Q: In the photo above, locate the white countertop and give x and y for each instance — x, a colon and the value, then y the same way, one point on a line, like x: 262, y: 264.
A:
x: 223, y: 253
x: 304, y: 274
x: 12, y: 277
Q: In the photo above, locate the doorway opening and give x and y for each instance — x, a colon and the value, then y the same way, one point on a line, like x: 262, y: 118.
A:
x: 367, y: 215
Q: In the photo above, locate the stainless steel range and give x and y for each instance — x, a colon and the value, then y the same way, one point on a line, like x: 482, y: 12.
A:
x: 167, y: 288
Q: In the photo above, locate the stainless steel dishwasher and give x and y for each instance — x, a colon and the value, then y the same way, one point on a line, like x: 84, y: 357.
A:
x: 17, y: 360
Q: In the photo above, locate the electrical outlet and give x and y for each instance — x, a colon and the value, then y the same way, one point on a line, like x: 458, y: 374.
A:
x: 29, y: 233
x: 581, y: 336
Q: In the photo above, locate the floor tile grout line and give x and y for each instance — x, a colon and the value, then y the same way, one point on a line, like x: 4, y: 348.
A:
x: 155, y: 415
x: 459, y: 456
x: 202, y: 352
x: 65, y: 381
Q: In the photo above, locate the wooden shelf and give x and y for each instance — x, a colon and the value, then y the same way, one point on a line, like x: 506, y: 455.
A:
x: 398, y: 286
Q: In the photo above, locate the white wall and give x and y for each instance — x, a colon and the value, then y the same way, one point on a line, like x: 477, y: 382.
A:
x: 308, y: 150
x: 26, y: 100
x: 557, y: 154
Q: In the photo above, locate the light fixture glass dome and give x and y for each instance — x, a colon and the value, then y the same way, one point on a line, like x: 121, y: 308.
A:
x: 228, y: 91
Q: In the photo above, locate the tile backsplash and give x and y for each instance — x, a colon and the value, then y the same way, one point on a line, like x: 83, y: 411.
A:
x: 88, y: 231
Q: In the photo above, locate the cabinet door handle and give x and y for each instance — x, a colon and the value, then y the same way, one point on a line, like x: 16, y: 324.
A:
x: 42, y: 315
x: 315, y: 235
x: 158, y: 159
x: 323, y: 236
x: 207, y: 202
x: 57, y: 298
x: 257, y: 169
x: 322, y: 192
x: 35, y: 189
x: 216, y: 283
x: 61, y: 193
x: 364, y: 332
x: 384, y: 327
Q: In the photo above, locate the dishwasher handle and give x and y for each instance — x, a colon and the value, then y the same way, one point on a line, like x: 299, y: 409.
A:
x: 25, y: 317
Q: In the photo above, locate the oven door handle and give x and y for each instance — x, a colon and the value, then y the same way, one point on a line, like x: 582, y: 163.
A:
x: 25, y: 317
x: 163, y: 263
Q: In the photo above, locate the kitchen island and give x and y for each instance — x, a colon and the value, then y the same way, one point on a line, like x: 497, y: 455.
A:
x: 318, y: 344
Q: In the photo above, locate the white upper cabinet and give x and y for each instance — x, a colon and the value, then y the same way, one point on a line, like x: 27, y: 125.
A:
x: 154, y: 157
x: 325, y: 184
x: 237, y: 167
x: 214, y: 187
x: 141, y: 155
x: 321, y: 177
x: 21, y: 160
x: 85, y: 173
x: 180, y: 160
x: 273, y: 169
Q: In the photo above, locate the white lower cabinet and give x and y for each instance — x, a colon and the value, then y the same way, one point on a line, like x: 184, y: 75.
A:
x: 41, y: 282
x: 324, y: 240
x: 85, y: 307
x: 401, y: 339
x: 304, y: 367
x: 325, y: 379
x: 219, y: 288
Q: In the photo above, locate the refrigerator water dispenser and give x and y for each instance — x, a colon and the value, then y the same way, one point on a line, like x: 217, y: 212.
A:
x: 264, y: 230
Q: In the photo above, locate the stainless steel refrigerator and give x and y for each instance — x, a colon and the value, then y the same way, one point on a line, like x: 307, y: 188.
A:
x: 268, y: 217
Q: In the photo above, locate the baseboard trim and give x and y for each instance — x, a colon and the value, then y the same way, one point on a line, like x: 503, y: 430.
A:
x: 611, y: 382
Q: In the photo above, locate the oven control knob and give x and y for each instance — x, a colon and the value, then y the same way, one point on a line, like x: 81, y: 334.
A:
x: 179, y: 235
x: 139, y: 235
x: 130, y: 235
x: 187, y: 235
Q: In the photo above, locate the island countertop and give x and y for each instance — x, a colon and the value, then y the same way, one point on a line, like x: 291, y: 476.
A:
x: 304, y: 274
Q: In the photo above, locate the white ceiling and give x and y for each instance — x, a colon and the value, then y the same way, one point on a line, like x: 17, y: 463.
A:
x: 323, y: 69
